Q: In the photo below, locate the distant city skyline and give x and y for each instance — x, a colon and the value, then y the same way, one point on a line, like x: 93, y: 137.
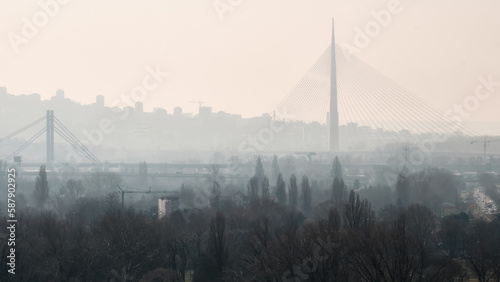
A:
x: 247, y: 61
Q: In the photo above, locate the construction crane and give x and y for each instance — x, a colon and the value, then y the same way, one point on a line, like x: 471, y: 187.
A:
x: 485, y: 142
x: 123, y: 192
x: 200, y: 102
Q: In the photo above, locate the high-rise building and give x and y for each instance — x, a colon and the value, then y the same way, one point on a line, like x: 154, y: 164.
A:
x: 99, y: 100
x: 60, y: 94
x: 139, y: 107
x: 178, y: 111
x: 205, y: 112
x: 167, y: 205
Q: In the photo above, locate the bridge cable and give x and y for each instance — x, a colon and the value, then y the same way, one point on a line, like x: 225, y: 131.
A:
x: 399, y: 105
x: 295, y: 94
x: 67, y: 135
x: 82, y: 149
x: 73, y: 137
x: 27, y: 143
x: 79, y: 150
x: 395, y: 107
x: 363, y: 105
x: 22, y: 129
x: 422, y: 104
x: 360, y: 106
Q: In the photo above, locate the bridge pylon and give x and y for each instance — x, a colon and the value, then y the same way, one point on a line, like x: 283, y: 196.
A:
x: 50, y: 136
x: 333, y: 119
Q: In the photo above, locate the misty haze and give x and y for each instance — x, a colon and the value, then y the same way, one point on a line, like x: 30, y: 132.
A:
x: 249, y: 141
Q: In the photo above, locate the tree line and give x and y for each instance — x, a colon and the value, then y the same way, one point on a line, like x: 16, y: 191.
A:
x: 278, y: 235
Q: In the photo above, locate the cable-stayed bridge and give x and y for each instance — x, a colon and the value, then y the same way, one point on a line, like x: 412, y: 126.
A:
x: 51, y: 124
x: 365, y: 96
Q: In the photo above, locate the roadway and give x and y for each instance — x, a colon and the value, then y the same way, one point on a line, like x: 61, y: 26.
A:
x: 484, y: 202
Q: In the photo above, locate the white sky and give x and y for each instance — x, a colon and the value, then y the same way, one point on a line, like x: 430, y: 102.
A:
x: 249, y: 61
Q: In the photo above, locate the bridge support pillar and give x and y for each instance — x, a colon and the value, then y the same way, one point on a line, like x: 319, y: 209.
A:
x: 50, y: 136
x: 333, y: 125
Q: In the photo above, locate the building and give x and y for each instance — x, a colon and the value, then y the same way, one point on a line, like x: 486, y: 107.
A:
x: 99, y: 100
x: 139, y: 107
x: 178, y: 112
x: 205, y: 112
x: 128, y: 110
x: 60, y: 94
x: 167, y: 205
x: 160, y: 111
x: 352, y: 128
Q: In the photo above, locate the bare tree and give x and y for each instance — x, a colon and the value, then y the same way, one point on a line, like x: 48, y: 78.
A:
x: 217, y: 247
x: 479, y: 252
x: 336, y: 168
x: 215, y: 180
x: 420, y: 225
x: 265, y: 188
x: 306, y: 195
x: 143, y: 173
x: 293, y: 192
x: 275, y: 169
x: 41, y: 193
x: 280, y: 190
x: 73, y: 190
x: 356, y: 185
x: 102, y: 183
x: 403, y: 190
x: 59, y: 203
x: 253, y: 188
x: 339, y: 191
x: 259, y: 172
x: 358, y: 213
x: 453, y: 234
x: 288, y: 165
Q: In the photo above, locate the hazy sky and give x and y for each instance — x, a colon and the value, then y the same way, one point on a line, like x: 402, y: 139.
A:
x: 248, y: 61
